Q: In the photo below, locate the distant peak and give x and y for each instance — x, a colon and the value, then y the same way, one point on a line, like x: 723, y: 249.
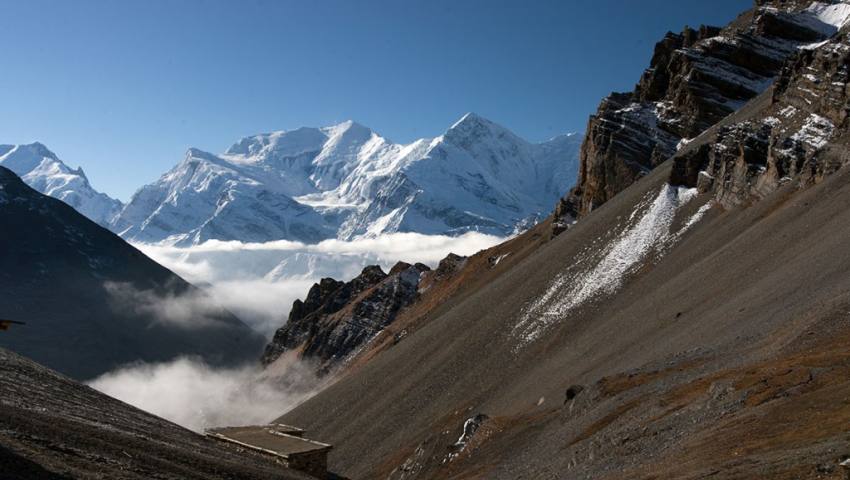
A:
x: 197, y: 153
x: 22, y: 159
x: 470, y: 119
x: 472, y: 125
x: 40, y: 149
x: 347, y: 127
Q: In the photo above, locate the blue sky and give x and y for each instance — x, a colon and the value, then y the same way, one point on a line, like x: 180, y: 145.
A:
x: 124, y: 88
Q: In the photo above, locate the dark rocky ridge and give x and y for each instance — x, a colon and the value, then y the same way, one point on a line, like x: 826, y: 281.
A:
x: 695, y: 79
x: 53, y: 428
x: 56, y: 269
x: 338, y: 317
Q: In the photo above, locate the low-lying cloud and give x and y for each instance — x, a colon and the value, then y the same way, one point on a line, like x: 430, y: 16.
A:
x: 192, y: 394
x: 191, y: 310
x: 259, y: 281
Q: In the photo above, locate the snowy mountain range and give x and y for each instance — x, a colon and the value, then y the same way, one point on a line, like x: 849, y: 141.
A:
x: 42, y: 170
x: 343, y: 181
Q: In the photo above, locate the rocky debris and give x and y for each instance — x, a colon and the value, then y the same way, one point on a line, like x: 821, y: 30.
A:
x: 572, y: 392
x: 449, y: 265
x: 470, y: 426
x: 799, y: 137
x: 695, y: 79
x: 845, y: 467
x: 337, y: 317
x: 447, y: 268
x: 494, y: 260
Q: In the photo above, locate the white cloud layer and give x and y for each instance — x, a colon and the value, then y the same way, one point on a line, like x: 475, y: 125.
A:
x: 259, y: 281
x: 192, y: 310
x: 196, y: 396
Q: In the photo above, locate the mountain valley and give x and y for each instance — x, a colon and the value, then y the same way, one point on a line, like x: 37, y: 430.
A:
x: 664, y: 296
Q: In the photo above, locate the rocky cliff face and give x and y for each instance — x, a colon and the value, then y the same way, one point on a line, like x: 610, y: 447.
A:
x: 798, y: 139
x: 695, y: 79
x: 338, y: 317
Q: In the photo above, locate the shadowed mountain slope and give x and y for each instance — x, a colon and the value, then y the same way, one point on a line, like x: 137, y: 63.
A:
x: 52, y: 428
x: 91, y: 301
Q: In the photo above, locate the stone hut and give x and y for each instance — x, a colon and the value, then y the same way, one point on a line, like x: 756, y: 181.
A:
x: 286, y: 443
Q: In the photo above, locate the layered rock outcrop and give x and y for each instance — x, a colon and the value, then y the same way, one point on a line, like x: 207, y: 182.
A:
x: 800, y: 137
x: 695, y: 79
x: 338, y: 317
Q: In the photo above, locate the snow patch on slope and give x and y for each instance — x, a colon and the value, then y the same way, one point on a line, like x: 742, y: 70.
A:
x: 826, y: 18
x: 832, y: 16
x: 650, y: 232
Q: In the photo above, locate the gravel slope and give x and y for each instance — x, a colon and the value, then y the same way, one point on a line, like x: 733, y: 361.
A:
x: 694, y: 345
x: 54, y: 428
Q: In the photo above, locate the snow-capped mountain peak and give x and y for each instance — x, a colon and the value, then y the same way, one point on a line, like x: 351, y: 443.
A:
x: 25, y: 158
x: 472, y: 123
x: 42, y: 170
x: 345, y: 181
x: 279, y: 143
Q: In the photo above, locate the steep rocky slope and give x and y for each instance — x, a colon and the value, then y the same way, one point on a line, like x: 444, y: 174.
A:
x: 347, y: 181
x: 695, y: 79
x: 91, y: 301
x: 42, y: 170
x: 690, y: 327
x: 657, y: 359
x: 52, y: 428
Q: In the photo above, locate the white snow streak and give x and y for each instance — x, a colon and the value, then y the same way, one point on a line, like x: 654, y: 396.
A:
x: 651, y: 232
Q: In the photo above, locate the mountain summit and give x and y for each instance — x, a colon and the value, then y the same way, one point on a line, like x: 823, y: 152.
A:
x: 44, y: 171
x: 346, y: 181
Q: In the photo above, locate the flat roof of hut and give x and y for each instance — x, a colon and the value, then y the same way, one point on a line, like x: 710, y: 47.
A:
x: 282, y: 441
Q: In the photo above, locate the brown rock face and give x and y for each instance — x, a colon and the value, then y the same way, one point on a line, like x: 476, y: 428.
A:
x: 801, y: 137
x: 695, y: 79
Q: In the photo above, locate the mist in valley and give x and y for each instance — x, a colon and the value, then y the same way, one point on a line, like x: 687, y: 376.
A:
x: 258, y: 282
